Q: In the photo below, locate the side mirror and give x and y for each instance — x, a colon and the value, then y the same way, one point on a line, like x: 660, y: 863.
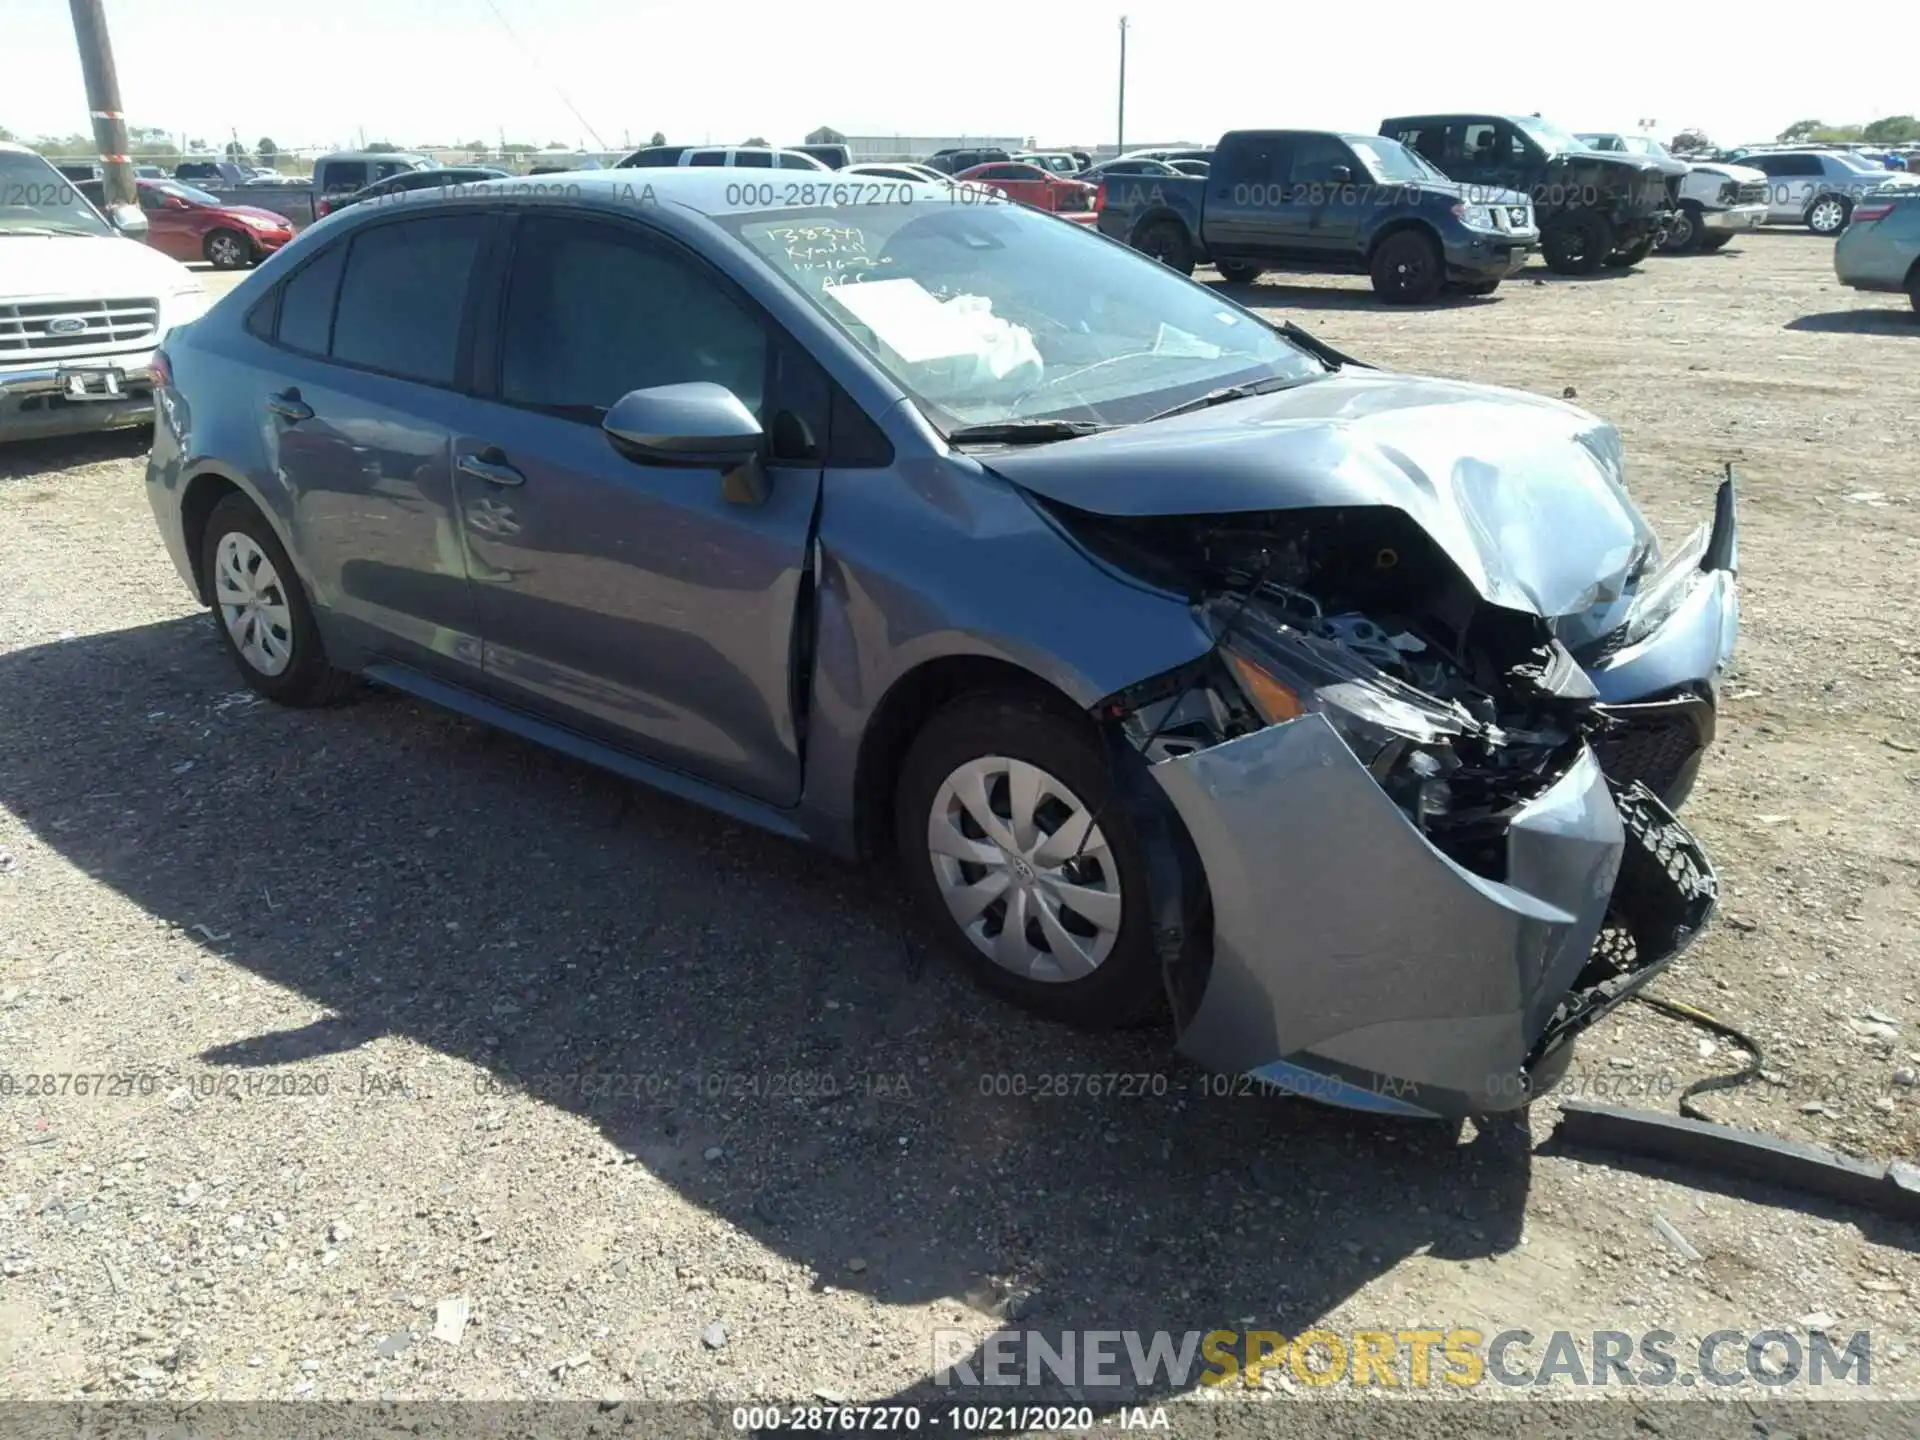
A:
x: 1340, y: 175
x: 697, y: 424
x: 128, y: 220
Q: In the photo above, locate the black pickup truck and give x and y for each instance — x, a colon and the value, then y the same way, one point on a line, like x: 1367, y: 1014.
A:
x: 1596, y: 208
x: 1317, y: 200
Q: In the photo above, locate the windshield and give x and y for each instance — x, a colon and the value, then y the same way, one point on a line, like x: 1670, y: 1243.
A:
x: 1390, y: 162
x: 35, y: 197
x: 987, y: 313
x: 1646, y: 145
x: 1547, y: 136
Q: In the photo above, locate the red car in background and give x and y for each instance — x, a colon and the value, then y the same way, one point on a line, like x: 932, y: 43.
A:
x: 1030, y: 185
x: 190, y: 224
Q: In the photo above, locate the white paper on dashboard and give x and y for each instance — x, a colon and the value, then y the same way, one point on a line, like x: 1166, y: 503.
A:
x: 908, y: 320
x: 1169, y: 341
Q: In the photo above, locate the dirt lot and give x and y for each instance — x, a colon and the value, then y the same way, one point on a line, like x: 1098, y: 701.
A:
x: 323, y: 947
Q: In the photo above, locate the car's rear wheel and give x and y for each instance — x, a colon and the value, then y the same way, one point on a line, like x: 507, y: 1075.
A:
x: 1685, y: 233
x: 1166, y: 241
x: 1577, y: 243
x: 1829, y: 214
x: 228, y: 250
x: 263, y: 615
x: 1015, y: 851
x: 1239, y: 272
x: 1407, y: 269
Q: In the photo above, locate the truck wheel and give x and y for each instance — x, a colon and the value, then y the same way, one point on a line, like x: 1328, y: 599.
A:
x: 1711, y: 243
x: 1829, y: 214
x: 1687, y: 233
x: 1166, y: 241
x: 1634, y: 253
x: 1407, y: 269
x: 227, y: 249
x: 1913, y: 287
x: 1577, y: 243
x: 1239, y: 272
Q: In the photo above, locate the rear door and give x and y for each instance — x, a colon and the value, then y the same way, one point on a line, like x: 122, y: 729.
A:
x: 358, y: 415
x: 1251, y: 211
x: 626, y: 599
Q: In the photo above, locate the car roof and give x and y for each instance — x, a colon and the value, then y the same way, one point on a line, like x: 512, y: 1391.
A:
x: 709, y: 191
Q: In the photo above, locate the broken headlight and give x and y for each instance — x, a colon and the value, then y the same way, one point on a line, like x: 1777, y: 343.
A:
x: 1403, y: 736
x: 1660, y: 595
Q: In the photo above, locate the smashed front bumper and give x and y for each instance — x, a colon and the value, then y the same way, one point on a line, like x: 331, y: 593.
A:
x: 1355, y: 963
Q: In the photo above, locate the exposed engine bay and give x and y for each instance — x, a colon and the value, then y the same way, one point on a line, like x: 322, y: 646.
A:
x: 1459, y: 709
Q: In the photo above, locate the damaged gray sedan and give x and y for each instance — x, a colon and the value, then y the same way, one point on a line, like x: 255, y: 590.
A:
x: 1183, y: 663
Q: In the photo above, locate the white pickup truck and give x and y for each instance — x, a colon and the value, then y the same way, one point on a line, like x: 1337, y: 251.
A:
x: 83, y: 305
x: 1713, y: 201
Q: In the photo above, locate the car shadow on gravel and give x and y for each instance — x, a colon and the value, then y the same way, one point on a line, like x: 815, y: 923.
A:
x: 1904, y: 323
x: 1278, y: 294
x: 752, y: 1021
x: 41, y: 459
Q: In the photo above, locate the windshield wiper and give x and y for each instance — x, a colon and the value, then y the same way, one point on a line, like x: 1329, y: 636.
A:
x: 1024, y: 432
x: 1235, y: 392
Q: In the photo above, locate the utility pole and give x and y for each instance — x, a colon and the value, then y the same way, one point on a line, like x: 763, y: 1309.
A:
x: 1120, y: 130
x: 103, y: 99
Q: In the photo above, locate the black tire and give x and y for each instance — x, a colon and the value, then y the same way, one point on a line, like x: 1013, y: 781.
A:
x: 1125, y: 987
x: 228, y: 250
x: 1710, y: 243
x: 308, y: 679
x: 1829, y: 214
x: 1167, y: 242
x: 1577, y: 242
x: 1479, y: 287
x: 1913, y: 288
x: 1239, y: 272
x: 1688, y: 232
x: 1407, y: 268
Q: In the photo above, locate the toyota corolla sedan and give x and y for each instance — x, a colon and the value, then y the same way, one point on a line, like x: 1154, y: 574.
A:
x: 1181, y: 663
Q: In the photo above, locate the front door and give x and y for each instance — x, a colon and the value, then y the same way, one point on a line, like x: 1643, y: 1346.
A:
x: 630, y: 600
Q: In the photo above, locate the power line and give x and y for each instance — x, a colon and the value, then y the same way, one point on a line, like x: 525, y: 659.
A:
x: 545, y: 74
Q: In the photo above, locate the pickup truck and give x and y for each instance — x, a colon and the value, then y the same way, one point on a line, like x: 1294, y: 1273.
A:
x: 334, y: 177
x: 1714, y: 201
x: 1318, y: 200
x: 1595, y: 208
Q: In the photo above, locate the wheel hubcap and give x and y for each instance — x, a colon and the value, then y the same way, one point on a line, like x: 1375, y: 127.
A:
x: 225, y: 251
x: 1826, y: 216
x: 1024, y: 871
x: 253, y: 604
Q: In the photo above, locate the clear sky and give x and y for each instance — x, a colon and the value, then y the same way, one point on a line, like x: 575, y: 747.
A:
x: 321, y: 72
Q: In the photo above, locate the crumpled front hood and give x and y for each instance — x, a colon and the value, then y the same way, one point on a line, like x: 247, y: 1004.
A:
x: 1524, y: 494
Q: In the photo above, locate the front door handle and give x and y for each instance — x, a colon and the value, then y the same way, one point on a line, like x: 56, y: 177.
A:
x: 289, y: 406
x: 491, y: 466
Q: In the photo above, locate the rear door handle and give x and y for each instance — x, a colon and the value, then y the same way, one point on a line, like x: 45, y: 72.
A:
x: 289, y: 406
x: 491, y: 466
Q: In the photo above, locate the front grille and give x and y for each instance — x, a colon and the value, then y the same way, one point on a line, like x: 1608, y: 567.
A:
x: 1753, y: 192
x: 1651, y: 748
x: 55, y: 328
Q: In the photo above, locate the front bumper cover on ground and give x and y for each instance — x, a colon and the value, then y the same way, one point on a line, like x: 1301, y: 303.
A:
x: 1353, y: 962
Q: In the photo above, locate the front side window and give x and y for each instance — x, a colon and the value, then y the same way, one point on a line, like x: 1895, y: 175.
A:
x: 1315, y: 158
x: 403, y: 295
x: 347, y: 175
x: 993, y: 313
x: 594, y: 311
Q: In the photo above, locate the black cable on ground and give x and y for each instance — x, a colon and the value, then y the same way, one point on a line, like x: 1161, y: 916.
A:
x: 1756, y: 1058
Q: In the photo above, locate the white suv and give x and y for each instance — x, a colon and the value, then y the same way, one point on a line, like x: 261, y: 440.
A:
x: 82, y: 306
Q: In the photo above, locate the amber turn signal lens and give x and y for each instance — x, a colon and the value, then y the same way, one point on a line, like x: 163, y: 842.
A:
x: 1276, y: 701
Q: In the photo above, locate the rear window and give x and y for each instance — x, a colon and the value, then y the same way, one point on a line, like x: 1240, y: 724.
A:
x: 306, y: 303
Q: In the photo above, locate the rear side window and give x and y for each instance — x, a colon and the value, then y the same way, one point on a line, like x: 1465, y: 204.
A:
x: 306, y: 303
x: 404, y: 294
x: 708, y: 157
x: 346, y: 175
x: 593, y: 312
x: 753, y: 159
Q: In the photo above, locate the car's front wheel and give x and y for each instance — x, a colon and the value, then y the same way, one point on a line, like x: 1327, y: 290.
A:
x: 1016, y: 851
x: 1684, y: 234
x: 228, y: 250
x: 1407, y: 269
x: 1829, y: 214
x: 1239, y: 272
x: 264, y: 617
x: 1577, y: 243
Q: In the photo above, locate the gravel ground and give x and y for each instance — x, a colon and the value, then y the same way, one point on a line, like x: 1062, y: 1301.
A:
x: 407, y: 1012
